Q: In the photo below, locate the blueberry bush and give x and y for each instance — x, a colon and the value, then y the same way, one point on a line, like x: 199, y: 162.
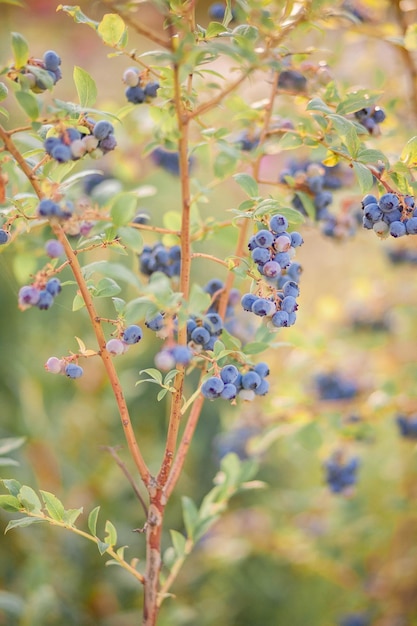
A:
x: 188, y: 222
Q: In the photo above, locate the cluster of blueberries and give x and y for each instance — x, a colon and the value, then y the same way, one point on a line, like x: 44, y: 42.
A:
x: 169, y: 160
x: 136, y: 91
x: 392, y: 214
x: 131, y: 335
x: 49, y: 64
x: 230, y: 383
x: 272, y: 250
x: 407, y: 426
x: 334, y: 386
x: 71, y: 144
x: 340, y: 475
x: 403, y: 255
x: 48, y: 208
x: 41, y: 296
x: 160, y: 258
x: 370, y: 117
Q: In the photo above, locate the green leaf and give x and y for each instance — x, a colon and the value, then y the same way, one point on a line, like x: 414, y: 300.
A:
x: 248, y: 184
x: 153, y: 373
x: 356, y: 101
x: 76, y: 13
x: 29, y: 499
x: 161, y: 395
x: 4, y: 112
x: 289, y: 141
x: 102, y: 546
x: 409, y: 152
x: 85, y: 86
x: 352, y: 142
x: 123, y: 208
x: 179, y: 542
x: 190, y: 514
x: 111, y: 29
x: 9, y: 503
x: 71, y: 515
x: 5, y: 460
x: 53, y: 505
x: 22, y: 522
x: 3, y: 91
x: 199, y: 300
x: 20, y: 49
x: 131, y: 237
x: 111, y: 533
x: 317, y: 104
x: 364, y: 176
x: 106, y: 288
x: 11, y: 443
x: 368, y: 155
x: 113, y: 270
x: 14, y: 3
x: 92, y: 520
x: 225, y: 164
x: 12, y: 486
x: 29, y: 104
x: 255, y: 347
x: 78, y: 302
x: 214, y: 29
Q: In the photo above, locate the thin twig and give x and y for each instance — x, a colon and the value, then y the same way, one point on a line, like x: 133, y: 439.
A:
x: 129, y: 477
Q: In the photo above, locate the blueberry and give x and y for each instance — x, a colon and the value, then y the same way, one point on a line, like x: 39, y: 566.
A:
x: 247, y: 301
x: 102, y: 129
x: 373, y: 212
x: 116, y: 346
x: 212, y: 388
x: 271, y: 269
x: 164, y: 360
x: 182, y: 354
x: 45, y: 300
x: 278, y: 224
x: 215, y: 284
x: 53, y: 286
x: 289, y: 304
x: 135, y: 95
x: 262, y: 369
x: 141, y: 218
x: 131, y: 77
x: 389, y: 202
x: 369, y: 199
x: 4, y: 236
x: 261, y: 255
x: 61, y: 153
x: 229, y: 392
x: 156, y: 322
x: 28, y: 294
x: 151, y: 89
x: 51, y: 60
x: 229, y: 374
x: 54, y: 365
x: 54, y: 248
x: 397, y: 229
x: 292, y: 80
x: 264, y: 238
x: 291, y: 288
x: 48, y: 208
x: 50, y: 143
x: 378, y: 115
x: 73, y: 371
x: 214, y: 323
x: 200, y: 335
x: 217, y: 10
x: 251, y: 380
x: 132, y: 334
x: 263, y: 388
x: 263, y: 307
x: 411, y: 226
x: 280, y: 319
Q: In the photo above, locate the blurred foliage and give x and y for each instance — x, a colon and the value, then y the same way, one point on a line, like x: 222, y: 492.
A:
x: 291, y: 552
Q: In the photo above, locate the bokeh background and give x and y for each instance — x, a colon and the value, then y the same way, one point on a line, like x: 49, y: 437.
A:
x: 290, y: 553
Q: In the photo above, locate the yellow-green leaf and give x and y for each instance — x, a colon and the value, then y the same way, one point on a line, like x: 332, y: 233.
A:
x: 111, y: 29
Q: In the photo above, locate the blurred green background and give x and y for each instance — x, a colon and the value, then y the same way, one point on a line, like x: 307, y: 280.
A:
x: 291, y: 553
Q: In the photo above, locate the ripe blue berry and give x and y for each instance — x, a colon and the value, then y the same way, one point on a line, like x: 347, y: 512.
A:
x: 73, y: 371
x: 135, y: 95
x: 397, y: 229
x: 262, y: 369
x: 263, y: 307
x: 156, y: 322
x: 61, y: 153
x: 53, y: 286
x: 54, y: 248
x: 212, y: 388
x: 51, y: 60
x: 28, y: 295
x: 264, y: 238
x: 45, y: 300
x: 182, y: 354
x: 229, y: 374
x: 151, y: 89
x: 278, y: 224
x: 247, y: 301
x: 132, y: 334
x: 4, y: 236
x: 102, y: 129
x: 389, y: 202
x: 251, y: 380
x: 280, y: 319
x: 229, y: 392
x: 200, y: 335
